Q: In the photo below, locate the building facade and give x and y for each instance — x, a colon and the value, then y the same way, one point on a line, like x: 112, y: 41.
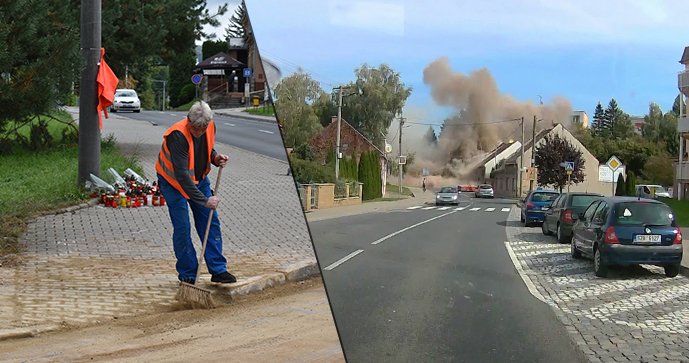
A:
x: 682, y: 174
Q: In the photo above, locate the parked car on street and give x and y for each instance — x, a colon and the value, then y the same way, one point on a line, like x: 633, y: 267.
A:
x: 651, y: 191
x: 619, y: 231
x: 126, y: 100
x: 535, y: 204
x: 447, y: 195
x: 484, y: 191
x: 560, y: 215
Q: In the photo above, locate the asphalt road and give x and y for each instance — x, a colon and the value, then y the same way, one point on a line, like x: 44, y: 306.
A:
x: 441, y: 287
x: 256, y: 136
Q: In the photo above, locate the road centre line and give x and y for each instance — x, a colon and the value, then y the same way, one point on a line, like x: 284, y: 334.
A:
x: 410, y: 227
x: 266, y: 131
x: 343, y: 260
x: 229, y: 124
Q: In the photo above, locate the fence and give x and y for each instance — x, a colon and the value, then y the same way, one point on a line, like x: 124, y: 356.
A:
x: 321, y: 196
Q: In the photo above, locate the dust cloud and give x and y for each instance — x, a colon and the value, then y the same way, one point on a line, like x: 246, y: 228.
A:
x: 483, y: 117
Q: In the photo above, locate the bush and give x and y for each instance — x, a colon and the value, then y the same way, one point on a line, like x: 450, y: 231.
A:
x: 304, y: 152
x: 369, y: 175
x: 186, y: 94
x: 631, y: 183
x: 306, y: 172
x: 621, y: 188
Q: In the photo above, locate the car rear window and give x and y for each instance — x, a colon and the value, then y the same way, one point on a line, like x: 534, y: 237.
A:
x: 583, y: 200
x: 643, y: 213
x: 448, y: 190
x: 486, y: 186
x: 543, y: 197
x: 126, y: 94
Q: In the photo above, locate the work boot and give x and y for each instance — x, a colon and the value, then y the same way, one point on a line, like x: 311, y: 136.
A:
x: 224, y: 278
x: 188, y: 280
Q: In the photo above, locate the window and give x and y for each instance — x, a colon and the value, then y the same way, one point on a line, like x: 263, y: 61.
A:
x: 601, y: 214
x: 589, y: 211
x: 556, y: 202
x: 583, y: 200
x: 543, y: 197
x: 643, y: 213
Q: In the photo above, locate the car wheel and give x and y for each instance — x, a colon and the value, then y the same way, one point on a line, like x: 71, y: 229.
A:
x: 544, y: 229
x: 113, y: 110
x: 599, y: 268
x: 671, y: 270
x: 574, y: 251
x: 137, y: 111
x: 560, y: 237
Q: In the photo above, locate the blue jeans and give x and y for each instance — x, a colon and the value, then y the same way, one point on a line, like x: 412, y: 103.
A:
x: 177, y: 204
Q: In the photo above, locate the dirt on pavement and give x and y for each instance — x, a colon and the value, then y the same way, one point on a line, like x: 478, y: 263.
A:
x: 290, y: 323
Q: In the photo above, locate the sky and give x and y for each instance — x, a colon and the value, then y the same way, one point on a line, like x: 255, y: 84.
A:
x: 583, y: 50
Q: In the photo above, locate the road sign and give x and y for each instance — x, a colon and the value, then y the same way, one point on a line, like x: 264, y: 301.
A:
x: 196, y: 79
x: 614, y: 163
x: 569, y: 165
x: 247, y: 72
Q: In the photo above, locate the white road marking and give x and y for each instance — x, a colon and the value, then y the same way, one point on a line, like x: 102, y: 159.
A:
x: 443, y: 208
x: 266, y: 131
x: 490, y: 209
x: 229, y: 124
x: 173, y: 114
x: 343, y: 260
x: 505, y: 210
x: 532, y: 288
x: 415, y: 207
x: 410, y: 227
x: 461, y: 208
x: 474, y: 209
x: 427, y: 208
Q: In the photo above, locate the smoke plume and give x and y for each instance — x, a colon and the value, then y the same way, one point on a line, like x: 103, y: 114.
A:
x: 479, y: 122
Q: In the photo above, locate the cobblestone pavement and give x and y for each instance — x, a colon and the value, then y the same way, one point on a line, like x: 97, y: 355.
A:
x: 95, y: 263
x: 636, y: 314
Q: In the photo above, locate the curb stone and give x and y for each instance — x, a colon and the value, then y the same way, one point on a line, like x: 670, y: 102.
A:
x: 16, y: 333
x: 248, y: 117
x: 300, y: 271
x: 253, y: 284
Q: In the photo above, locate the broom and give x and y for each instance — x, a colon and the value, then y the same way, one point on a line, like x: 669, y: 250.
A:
x: 190, y: 292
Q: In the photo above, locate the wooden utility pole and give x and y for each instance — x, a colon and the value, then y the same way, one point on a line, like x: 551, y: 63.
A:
x: 533, y: 153
x: 521, y: 164
x: 89, y: 131
x: 337, y: 141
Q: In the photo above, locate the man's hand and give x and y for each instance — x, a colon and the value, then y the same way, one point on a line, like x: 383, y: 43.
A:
x: 212, y: 202
x: 221, y: 160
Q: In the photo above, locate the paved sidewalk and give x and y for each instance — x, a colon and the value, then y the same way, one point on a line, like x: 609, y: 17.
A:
x: 239, y: 113
x: 96, y: 263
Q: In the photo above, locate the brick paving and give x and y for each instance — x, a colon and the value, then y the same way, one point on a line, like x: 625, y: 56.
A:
x: 634, y: 315
x: 99, y: 263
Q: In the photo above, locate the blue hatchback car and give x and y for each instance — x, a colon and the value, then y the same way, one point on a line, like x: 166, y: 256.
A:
x: 535, y: 204
x: 628, y: 231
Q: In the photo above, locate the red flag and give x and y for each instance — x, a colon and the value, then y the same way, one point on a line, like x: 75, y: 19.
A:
x: 107, y: 84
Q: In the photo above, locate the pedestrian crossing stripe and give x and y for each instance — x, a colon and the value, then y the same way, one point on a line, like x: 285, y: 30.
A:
x: 474, y: 209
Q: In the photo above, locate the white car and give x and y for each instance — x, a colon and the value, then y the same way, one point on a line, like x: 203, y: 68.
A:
x: 126, y: 100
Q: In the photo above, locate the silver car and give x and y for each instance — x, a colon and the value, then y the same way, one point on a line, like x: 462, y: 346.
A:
x: 126, y: 100
x: 484, y: 191
x: 447, y: 195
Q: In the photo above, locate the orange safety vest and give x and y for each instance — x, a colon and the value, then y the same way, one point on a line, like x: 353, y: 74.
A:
x: 164, y: 165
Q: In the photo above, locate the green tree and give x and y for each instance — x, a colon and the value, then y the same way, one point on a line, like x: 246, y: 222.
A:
x: 618, y: 124
x: 39, y: 57
x: 667, y: 130
x: 379, y: 96
x: 213, y: 47
x: 550, y: 154
x: 325, y: 109
x: 652, y: 120
x: 180, y: 73
x: 600, y: 125
x: 295, y: 96
x: 630, y: 184
x: 659, y: 169
x: 675, y: 105
x: 235, y: 29
x: 621, y: 188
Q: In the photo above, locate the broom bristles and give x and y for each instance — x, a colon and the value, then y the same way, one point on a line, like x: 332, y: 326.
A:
x: 195, y: 295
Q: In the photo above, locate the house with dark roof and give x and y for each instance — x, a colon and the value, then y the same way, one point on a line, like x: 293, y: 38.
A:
x: 507, y: 173
x: 352, y: 143
x: 482, y: 169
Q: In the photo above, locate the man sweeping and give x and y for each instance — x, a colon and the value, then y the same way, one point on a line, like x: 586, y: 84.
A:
x: 183, y: 165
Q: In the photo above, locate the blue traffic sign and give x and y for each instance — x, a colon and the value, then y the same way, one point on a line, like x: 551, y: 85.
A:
x: 247, y: 72
x: 569, y: 165
x: 196, y: 79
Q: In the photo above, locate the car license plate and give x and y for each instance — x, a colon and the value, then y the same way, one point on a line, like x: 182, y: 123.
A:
x: 647, y: 238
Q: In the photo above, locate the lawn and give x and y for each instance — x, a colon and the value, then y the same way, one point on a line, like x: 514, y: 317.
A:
x: 681, y: 209
x: 261, y: 111
x: 32, y: 182
x: 394, y: 188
